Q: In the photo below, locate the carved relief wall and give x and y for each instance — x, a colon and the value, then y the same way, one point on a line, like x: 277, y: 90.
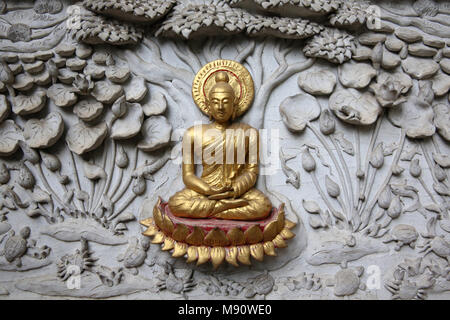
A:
x: 95, y: 97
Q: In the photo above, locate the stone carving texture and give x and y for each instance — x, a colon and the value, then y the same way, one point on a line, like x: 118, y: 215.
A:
x: 95, y: 95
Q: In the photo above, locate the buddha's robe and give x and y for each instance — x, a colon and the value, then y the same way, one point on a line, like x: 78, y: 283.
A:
x: 242, y: 173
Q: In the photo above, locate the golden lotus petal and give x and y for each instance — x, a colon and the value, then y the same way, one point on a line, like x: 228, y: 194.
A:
x: 270, y: 231
x: 253, y: 234
x: 280, y: 219
x: 167, y: 225
x: 236, y: 237
x: 180, y: 233
x: 169, y: 244
x: 217, y: 256
x: 196, y: 237
x: 289, y: 224
x: 159, y: 237
x: 146, y: 222
x: 269, y: 248
x: 243, y: 255
x: 231, y: 256
x: 179, y: 250
x: 279, y: 242
x: 157, y: 216
x: 203, y: 255
x: 287, y: 234
x: 151, y: 231
x: 216, y: 238
x: 192, y: 254
x: 257, y: 251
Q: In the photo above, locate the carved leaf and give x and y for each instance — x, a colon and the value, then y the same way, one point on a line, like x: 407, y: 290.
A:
x: 88, y: 110
x: 136, y: 90
x: 442, y: 159
x: 24, y: 105
x: 129, y: 125
x: 296, y: 111
x: 11, y: 134
x: 319, y: 82
x: 62, y: 95
x: 156, y: 131
x: 105, y: 92
x: 351, y: 106
x: 82, y: 137
x: 44, y: 133
x: 118, y: 74
x: 156, y: 106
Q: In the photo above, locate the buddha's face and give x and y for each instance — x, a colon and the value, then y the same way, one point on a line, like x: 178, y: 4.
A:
x: 221, y: 105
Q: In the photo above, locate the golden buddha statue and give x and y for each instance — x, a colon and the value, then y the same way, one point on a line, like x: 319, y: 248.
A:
x: 225, y: 189
x: 220, y: 216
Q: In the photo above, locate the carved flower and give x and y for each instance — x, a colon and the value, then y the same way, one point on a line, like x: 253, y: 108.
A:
x: 389, y: 89
x: 333, y: 45
x: 83, y: 85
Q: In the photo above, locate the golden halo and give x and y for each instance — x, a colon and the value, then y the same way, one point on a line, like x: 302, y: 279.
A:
x: 240, y: 80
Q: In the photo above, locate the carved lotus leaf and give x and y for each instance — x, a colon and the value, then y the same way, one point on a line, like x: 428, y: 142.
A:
x: 23, y: 82
x: 415, y: 116
x: 62, y: 95
x: 351, y: 106
x: 66, y: 76
x: 442, y: 120
x: 128, y: 125
x: 107, y: 93
x: 43, y: 133
x: 24, y: 105
x: 296, y: 111
x: 11, y: 134
x: 82, y: 137
x: 4, y: 107
x: 356, y: 75
x: 88, y: 110
x: 118, y: 74
x: 136, y: 90
x: 156, y: 132
x: 156, y: 106
x: 318, y: 82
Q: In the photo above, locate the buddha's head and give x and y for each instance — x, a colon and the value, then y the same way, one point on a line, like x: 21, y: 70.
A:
x: 221, y: 101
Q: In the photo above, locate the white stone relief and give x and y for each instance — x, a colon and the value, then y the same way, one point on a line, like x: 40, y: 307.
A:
x: 94, y: 102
